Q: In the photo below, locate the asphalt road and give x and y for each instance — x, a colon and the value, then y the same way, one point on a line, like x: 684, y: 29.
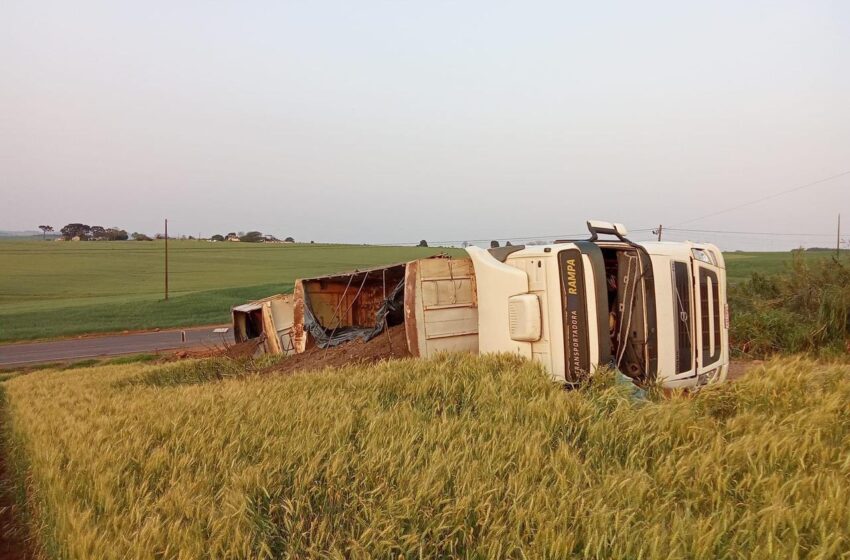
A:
x: 31, y: 353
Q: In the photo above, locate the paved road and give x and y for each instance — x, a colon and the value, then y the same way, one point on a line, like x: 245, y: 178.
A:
x: 29, y: 353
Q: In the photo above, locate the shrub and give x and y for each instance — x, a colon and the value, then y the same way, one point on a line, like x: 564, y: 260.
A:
x: 252, y: 237
x: 804, y: 309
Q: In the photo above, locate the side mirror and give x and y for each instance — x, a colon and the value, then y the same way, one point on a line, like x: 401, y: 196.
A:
x: 524, y: 317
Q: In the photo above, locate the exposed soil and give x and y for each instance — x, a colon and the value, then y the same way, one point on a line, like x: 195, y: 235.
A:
x: 13, y: 544
x: 737, y: 369
x: 242, y: 350
x: 389, y: 345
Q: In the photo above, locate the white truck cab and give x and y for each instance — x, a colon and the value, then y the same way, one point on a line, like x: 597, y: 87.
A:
x: 655, y: 311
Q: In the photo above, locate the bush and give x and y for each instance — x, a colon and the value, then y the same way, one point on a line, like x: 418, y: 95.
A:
x: 805, y: 309
x: 252, y: 237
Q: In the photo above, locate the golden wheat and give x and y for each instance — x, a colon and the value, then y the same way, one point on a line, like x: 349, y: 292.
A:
x: 454, y: 457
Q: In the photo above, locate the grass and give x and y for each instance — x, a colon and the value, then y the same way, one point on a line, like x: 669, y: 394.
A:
x: 460, y: 456
x: 740, y: 265
x: 50, y: 289
x: 806, y: 308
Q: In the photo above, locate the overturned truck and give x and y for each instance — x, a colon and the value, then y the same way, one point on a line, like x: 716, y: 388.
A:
x: 655, y: 311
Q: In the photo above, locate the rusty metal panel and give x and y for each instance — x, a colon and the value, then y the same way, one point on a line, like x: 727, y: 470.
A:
x: 335, y: 307
x: 411, y: 323
x: 299, y: 335
x: 271, y: 343
x: 328, y: 306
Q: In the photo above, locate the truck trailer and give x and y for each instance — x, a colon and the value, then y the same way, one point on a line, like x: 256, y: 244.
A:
x: 657, y: 312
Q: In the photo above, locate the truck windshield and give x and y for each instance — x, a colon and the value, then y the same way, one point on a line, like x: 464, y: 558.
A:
x: 682, y: 318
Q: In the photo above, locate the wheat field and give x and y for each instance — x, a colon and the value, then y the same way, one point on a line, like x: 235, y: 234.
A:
x: 460, y: 456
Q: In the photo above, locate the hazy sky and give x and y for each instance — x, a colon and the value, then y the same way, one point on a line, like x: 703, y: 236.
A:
x: 396, y: 121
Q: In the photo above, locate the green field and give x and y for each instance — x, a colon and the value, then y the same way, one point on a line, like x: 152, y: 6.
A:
x: 456, y: 457
x: 740, y: 266
x: 50, y: 289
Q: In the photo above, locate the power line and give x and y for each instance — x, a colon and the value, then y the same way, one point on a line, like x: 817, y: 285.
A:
x: 750, y: 232
x: 581, y: 235
x: 750, y: 203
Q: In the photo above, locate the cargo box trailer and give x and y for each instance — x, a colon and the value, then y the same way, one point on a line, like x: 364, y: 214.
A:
x: 657, y: 312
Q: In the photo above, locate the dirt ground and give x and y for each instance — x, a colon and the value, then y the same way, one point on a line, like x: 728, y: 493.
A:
x: 12, y: 534
x: 737, y: 369
x: 234, y: 351
x: 390, y: 344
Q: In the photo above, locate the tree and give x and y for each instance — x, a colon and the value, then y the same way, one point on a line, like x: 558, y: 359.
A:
x: 140, y: 237
x: 44, y: 230
x: 71, y: 231
x: 217, y: 237
x: 252, y: 237
x: 508, y: 244
x: 465, y: 244
x: 98, y: 233
x: 423, y: 243
x: 289, y: 240
x: 115, y: 234
x: 494, y: 244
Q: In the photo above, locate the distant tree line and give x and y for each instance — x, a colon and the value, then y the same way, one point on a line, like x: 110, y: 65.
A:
x: 85, y: 232
x: 250, y: 237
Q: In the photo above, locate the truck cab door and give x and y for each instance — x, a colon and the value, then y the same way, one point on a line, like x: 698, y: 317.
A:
x: 711, y: 348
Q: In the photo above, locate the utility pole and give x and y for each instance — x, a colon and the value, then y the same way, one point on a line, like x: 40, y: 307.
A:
x: 166, y: 259
x: 838, y: 240
x: 660, y: 229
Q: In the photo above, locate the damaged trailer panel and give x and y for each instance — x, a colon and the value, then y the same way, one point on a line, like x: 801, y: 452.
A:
x: 334, y: 309
x: 435, y: 300
x: 269, y: 319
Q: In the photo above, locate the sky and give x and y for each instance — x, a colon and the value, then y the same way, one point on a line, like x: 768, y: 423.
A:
x: 391, y: 122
